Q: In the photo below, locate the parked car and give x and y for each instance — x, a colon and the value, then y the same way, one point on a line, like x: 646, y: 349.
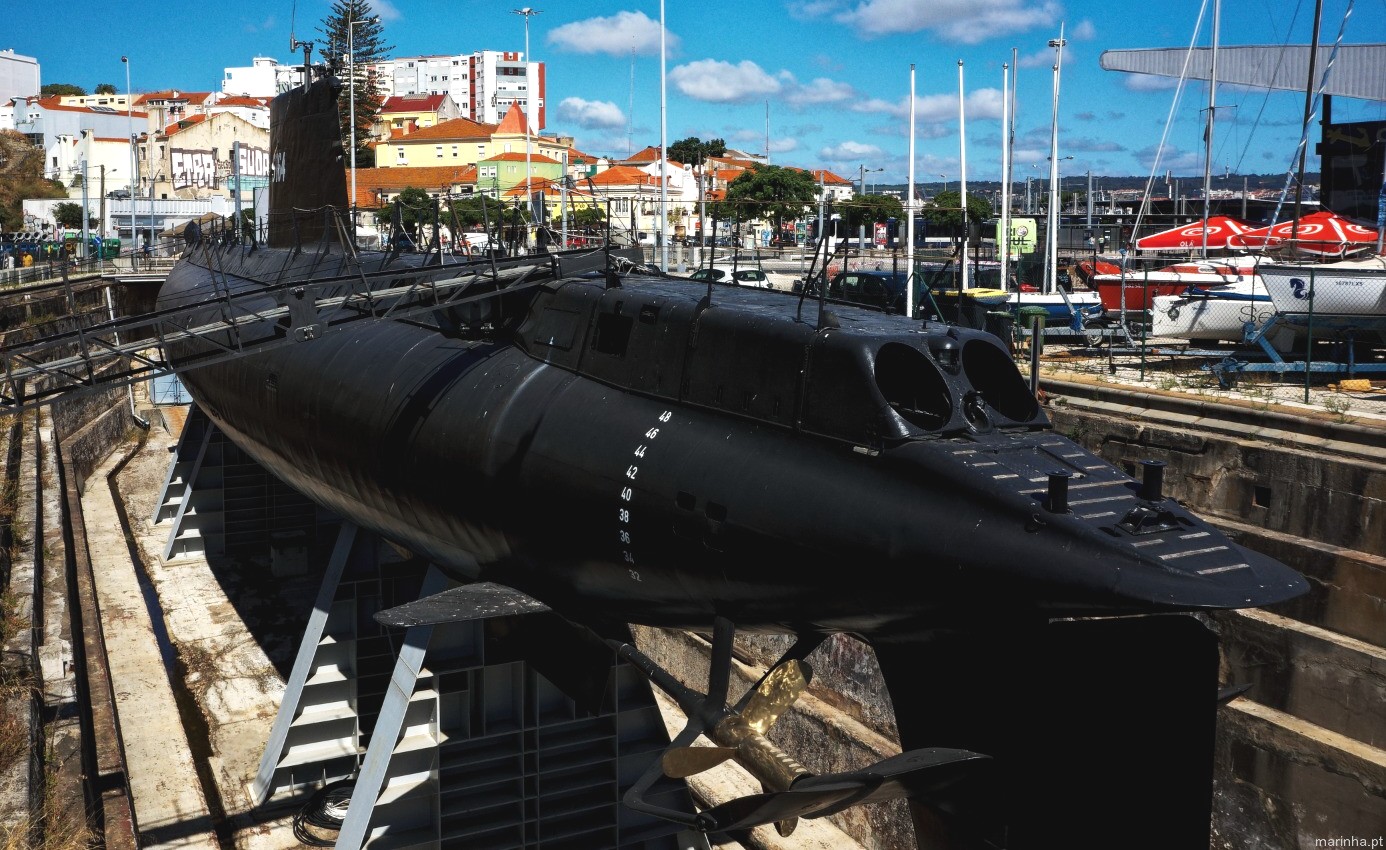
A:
x: 741, y: 276
x: 119, y: 194
x: 883, y: 290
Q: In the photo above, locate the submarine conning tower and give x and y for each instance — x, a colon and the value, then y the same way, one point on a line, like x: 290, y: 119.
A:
x: 307, y: 172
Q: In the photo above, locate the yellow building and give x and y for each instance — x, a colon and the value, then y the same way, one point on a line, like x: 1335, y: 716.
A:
x: 463, y: 142
x: 413, y: 112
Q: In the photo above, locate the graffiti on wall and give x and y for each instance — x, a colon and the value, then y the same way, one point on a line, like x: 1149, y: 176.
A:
x: 200, y: 169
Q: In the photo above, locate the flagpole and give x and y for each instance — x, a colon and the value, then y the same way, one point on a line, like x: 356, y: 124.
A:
x: 909, y: 213
x: 663, y: 156
x: 962, y: 180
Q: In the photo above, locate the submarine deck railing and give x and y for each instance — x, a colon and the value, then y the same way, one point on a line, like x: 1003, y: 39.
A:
x: 114, y: 353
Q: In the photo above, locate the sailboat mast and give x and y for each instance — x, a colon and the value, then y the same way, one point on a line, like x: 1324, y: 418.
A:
x: 1003, y: 239
x: 663, y: 154
x: 1208, y: 129
x: 1051, y: 267
x: 962, y: 166
x: 909, y: 213
x: 1308, y: 113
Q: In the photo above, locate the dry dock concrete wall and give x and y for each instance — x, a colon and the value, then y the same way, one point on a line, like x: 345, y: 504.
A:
x: 1301, y: 756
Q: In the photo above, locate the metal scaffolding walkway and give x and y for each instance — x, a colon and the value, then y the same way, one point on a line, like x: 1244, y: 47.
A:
x: 227, y: 324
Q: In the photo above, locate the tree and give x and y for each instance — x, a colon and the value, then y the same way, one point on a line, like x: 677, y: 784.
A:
x: 61, y: 90
x: 869, y: 209
x: 769, y: 191
x: 946, y: 210
x: 68, y: 214
x: 367, y: 47
x: 105, y: 88
x: 588, y: 217
x: 473, y: 211
x: 694, y: 150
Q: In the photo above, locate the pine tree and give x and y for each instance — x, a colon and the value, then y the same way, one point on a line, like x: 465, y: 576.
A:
x: 368, y: 47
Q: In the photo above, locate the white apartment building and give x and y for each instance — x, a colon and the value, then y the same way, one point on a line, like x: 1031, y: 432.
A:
x: 484, y: 84
x: 264, y: 78
x: 19, y: 75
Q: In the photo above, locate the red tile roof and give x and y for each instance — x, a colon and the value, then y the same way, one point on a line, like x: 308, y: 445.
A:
x: 242, y: 100
x: 514, y: 156
x: 198, y: 97
x: 513, y: 122
x: 413, y: 103
x: 433, y: 178
x: 624, y: 175
x: 455, y: 128
x: 184, y: 124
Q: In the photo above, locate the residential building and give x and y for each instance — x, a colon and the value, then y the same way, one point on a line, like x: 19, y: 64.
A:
x: 44, y: 121
x: 464, y: 142
x: 460, y: 141
x: 199, y: 157
x: 377, y: 187
x: 171, y: 106
x: 252, y: 109
x: 633, y: 196
x: 264, y: 78
x: 114, y: 100
x: 102, y: 162
x: 835, y: 188
x: 484, y: 84
x: 497, y: 175
x: 412, y: 112
x: 19, y: 76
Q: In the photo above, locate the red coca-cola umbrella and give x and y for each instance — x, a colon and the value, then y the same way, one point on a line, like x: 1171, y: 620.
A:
x: 1187, y: 237
x: 1323, y: 233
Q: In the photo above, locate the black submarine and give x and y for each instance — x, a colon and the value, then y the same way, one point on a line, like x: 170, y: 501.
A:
x: 619, y: 446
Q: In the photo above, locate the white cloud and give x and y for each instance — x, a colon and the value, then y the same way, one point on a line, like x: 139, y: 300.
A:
x: 822, y: 90
x: 617, y: 35
x: 849, y: 151
x: 1149, y: 82
x: 962, y: 21
x: 1085, y: 31
x: 591, y: 114
x: 715, y: 81
x: 982, y: 104
x: 385, y: 10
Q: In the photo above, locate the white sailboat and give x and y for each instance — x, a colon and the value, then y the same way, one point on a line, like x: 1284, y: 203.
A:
x: 1215, y: 306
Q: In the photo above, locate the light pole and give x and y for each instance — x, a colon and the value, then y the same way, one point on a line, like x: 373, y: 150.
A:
x: 134, y: 174
x: 945, y: 183
x: 861, y: 176
x: 527, y: 13
x: 351, y: 97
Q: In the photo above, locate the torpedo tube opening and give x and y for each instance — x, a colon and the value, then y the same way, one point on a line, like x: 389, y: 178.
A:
x: 913, y: 386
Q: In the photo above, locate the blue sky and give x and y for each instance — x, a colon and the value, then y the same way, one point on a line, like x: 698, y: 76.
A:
x: 830, y: 78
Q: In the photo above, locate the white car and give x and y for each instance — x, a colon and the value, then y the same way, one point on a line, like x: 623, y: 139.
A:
x: 741, y: 276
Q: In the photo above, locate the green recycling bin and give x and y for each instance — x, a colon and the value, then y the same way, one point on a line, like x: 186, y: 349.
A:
x: 1033, y: 319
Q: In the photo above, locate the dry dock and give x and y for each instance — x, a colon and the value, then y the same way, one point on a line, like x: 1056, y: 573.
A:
x: 176, y: 665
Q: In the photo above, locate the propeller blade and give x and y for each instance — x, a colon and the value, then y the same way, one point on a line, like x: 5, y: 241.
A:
x: 684, y: 762
x: 910, y: 774
x: 775, y: 694
x: 786, y: 827
x: 758, y: 809
x: 460, y: 604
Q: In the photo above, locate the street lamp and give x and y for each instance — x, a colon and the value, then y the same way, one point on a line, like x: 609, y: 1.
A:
x: 527, y: 13
x: 351, y: 97
x: 134, y: 173
x: 945, y: 182
x: 863, y: 171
